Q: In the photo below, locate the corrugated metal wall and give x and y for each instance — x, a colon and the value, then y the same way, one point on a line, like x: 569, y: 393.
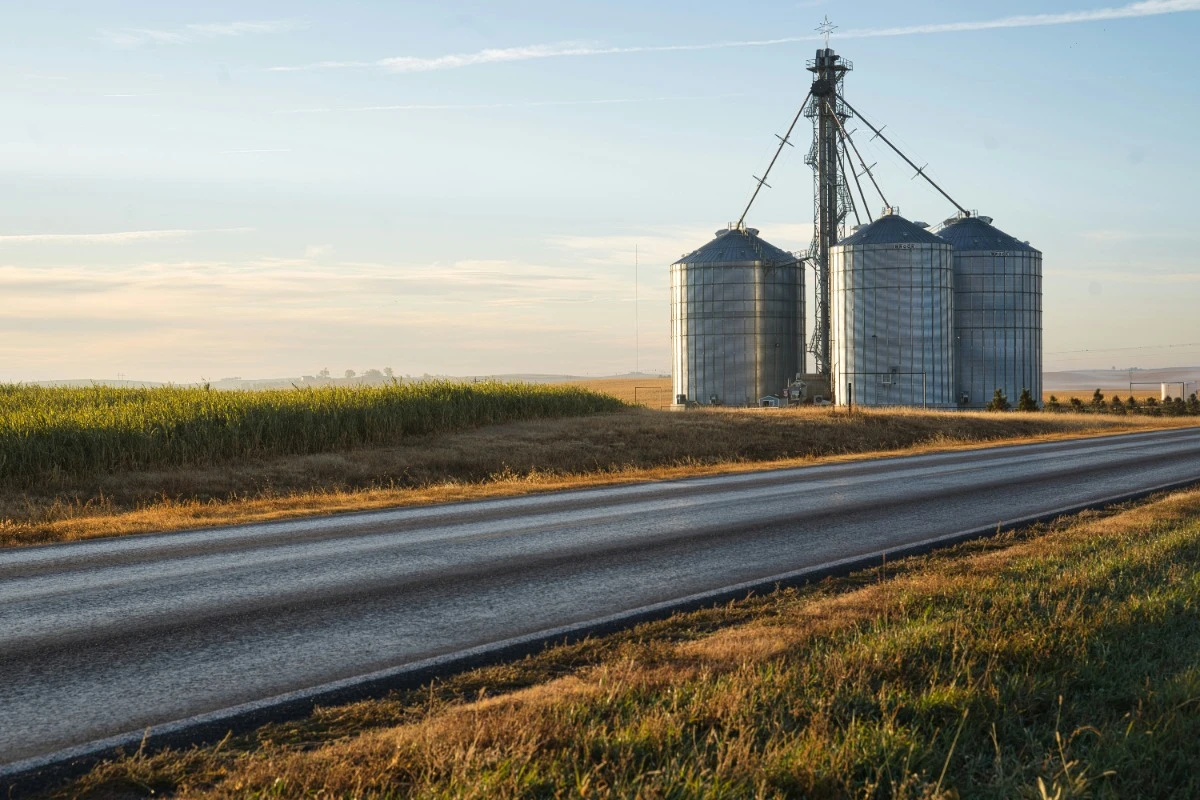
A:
x: 998, y: 324
x: 737, y: 330
x: 892, y: 324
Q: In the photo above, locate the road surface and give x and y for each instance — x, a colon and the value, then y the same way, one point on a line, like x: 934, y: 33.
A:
x: 105, y: 638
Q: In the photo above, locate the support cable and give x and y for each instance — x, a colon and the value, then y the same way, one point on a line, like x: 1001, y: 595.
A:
x: 863, y: 164
x: 862, y: 195
x: 784, y: 141
x: 920, y: 170
x: 849, y: 192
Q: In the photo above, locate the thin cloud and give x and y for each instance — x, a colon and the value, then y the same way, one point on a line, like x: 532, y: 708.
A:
x: 135, y: 37
x: 116, y: 237
x: 244, y: 28
x: 1147, y: 8
x: 1114, y: 236
x: 490, y: 106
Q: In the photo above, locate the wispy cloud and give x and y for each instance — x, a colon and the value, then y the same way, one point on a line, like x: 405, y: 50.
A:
x: 135, y: 37
x: 244, y: 28
x: 487, y: 106
x: 1147, y: 8
x: 1119, y: 235
x: 115, y: 237
x: 662, y: 244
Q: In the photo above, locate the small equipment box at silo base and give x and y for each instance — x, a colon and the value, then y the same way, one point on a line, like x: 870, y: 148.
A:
x: 817, y: 388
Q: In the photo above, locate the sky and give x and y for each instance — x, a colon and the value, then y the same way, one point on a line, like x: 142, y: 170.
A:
x: 258, y: 189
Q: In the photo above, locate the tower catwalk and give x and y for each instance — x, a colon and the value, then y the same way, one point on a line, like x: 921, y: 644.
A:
x: 830, y: 190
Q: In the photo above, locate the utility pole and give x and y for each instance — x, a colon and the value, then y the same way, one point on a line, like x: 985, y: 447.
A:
x: 637, y: 327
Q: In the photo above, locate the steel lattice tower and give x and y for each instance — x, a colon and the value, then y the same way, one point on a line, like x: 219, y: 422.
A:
x: 831, y: 194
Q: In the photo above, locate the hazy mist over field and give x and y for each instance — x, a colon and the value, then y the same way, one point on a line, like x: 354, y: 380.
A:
x: 265, y: 189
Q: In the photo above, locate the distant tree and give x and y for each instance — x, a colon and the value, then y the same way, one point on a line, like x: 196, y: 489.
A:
x: 373, y: 375
x: 1152, y: 407
x: 999, y: 402
x: 1117, y: 406
x: 1131, y: 405
x: 1179, y: 407
x: 1026, y: 402
x: 1076, y: 405
x: 1097, y: 400
x: 350, y: 374
x: 1193, y: 404
x: 1053, y: 404
x: 324, y: 374
x: 389, y: 372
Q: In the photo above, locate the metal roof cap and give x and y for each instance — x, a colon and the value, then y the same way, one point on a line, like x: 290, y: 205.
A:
x: 738, y: 246
x: 969, y: 234
x: 891, y: 228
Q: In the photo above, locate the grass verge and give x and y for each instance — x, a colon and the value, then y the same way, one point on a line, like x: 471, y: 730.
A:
x: 1060, y: 661
x: 507, y: 460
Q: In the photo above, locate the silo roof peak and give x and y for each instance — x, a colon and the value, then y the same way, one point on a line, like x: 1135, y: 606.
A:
x: 977, y: 233
x: 891, y: 228
x: 738, y: 246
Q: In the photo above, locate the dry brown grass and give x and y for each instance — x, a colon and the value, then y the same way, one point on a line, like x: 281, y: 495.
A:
x: 656, y: 392
x: 512, y: 459
x: 649, y: 392
x: 1065, y: 396
x: 1056, y: 662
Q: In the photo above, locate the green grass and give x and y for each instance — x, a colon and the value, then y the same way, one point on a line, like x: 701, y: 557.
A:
x: 57, y: 432
x: 1059, y: 662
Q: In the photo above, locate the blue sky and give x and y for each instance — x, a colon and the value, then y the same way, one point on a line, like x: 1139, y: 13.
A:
x: 269, y: 188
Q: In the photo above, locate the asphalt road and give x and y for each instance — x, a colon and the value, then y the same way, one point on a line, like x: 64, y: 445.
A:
x: 105, y: 638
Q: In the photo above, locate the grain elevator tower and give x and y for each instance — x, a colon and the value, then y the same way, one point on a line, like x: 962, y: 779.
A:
x: 831, y: 196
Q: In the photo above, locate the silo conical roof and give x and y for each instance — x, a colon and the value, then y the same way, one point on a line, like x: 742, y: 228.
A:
x: 738, y: 246
x: 891, y: 229
x: 973, y: 233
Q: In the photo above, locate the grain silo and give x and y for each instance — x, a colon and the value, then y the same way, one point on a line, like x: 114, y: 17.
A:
x: 892, y: 318
x: 997, y: 312
x: 737, y: 320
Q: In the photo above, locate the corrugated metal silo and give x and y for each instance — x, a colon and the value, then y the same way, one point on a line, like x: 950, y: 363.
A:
x: 737, y: 320
x: 997, y: 312
x: 892, y: 317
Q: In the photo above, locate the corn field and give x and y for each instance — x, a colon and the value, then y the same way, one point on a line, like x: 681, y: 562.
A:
x: 48, y: 433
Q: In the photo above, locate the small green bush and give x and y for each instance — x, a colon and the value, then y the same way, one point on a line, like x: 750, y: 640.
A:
x: 999, y: 402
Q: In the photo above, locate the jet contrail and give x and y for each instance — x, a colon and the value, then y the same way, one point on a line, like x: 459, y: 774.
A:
x: 116, y: 237
x: 1146, y: 8
x: 493, y: 106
